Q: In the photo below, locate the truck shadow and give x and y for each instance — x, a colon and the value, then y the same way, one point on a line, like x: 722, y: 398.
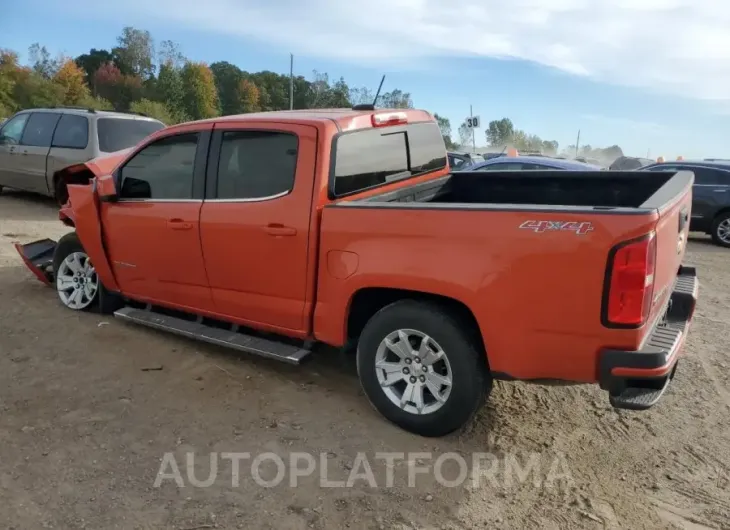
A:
x: 328, y: 376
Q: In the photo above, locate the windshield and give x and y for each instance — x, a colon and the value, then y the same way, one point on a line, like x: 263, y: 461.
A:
x: 116, y: 134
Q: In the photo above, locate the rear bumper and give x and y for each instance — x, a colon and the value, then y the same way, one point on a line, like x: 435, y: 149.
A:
x: 638, y: 379
x: 38, y: 257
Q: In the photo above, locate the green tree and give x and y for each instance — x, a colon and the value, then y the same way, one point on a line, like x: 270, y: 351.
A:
x: 42, y: 63
x: 154, y: 109
x: 135, y: 51
x: 465, y: 136
x: 445, y: 126
x: 170, y: 90
x: 500, y: 132
x: 91, y: 62
x: 9, y: 69
x: 200, y: 96
x: 550, y: 147
x: 361, y: 96
x: 248, y: 97
x: 170, y: 54
x: 227, y: 77
x: 395, y: 99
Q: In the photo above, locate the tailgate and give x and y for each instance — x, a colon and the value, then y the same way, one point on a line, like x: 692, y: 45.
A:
x: 671, y: 240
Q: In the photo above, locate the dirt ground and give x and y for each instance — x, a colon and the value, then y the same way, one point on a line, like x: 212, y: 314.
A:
x: 89, y: 406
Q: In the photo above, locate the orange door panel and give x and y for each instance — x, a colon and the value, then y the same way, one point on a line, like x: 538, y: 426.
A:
x: 255, y: 222
x: 155, y: 252
x: 152, y: 232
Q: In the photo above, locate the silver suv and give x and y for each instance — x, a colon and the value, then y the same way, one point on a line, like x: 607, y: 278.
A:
x: 35, y: 144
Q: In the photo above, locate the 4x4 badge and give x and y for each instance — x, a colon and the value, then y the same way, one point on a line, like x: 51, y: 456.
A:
x: 580, y: 228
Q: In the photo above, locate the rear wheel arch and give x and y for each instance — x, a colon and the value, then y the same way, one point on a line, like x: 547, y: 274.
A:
x: 366, y: 302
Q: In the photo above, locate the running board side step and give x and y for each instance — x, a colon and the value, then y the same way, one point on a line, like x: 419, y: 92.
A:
x: 227, y: 338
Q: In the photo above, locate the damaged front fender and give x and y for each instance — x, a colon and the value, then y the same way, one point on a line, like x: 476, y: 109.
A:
x: 81, y: 211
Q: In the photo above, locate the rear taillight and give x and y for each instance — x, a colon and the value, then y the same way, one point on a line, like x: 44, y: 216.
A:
x: 631, y: 282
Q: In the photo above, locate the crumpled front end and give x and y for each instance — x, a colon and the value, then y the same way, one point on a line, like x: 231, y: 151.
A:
x: 38, y: 257
x: 80, y: 178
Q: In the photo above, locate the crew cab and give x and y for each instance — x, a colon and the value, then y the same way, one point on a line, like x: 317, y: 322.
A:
x: 273, y: 232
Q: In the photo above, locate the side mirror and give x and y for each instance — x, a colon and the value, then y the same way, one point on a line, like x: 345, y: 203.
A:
x: 107, y: 189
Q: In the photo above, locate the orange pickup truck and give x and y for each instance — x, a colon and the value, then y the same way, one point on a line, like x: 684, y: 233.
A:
x: 273, y: 232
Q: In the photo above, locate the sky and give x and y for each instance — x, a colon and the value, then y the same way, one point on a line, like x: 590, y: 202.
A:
x: 652, y: 76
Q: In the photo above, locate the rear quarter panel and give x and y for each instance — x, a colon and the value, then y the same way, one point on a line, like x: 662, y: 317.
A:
x: 536, y: 296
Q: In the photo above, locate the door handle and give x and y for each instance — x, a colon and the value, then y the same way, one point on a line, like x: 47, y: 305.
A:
x: 276, y: 229
x: 179, y: 224
x: 24, y: 152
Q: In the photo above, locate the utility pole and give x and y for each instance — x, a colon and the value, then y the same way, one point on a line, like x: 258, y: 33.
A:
x: 577, y: 144
x: 473, y: 138
x: 291, y: 81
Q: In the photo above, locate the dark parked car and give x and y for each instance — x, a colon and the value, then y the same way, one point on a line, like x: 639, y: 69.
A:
x: 459, y: 161
x: 521, y: 163
x: 710, y: 196
x: 629, y: 163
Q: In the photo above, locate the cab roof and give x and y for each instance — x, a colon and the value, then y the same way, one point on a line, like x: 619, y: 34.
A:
x: 344, y: 119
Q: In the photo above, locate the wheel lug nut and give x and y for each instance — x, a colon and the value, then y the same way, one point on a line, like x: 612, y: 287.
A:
x: 413, y: 379
x: 406, y: 371
x: 417, y: 359
x: 408, y: 361
x: 423, y: 378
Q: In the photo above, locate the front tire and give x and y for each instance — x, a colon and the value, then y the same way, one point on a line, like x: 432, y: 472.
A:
x: 721, y: 230
x: 77, y: 284
x: 421, y: 369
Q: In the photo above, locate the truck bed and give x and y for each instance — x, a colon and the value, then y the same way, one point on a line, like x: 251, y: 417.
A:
x: 527, y: 252
x: 556, y: 189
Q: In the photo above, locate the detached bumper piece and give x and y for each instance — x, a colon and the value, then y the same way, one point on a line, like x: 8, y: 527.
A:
x: 38, y: 257
x: 636, y: 380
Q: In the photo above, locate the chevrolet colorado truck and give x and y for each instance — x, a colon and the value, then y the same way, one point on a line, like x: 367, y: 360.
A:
x: 272, y: 232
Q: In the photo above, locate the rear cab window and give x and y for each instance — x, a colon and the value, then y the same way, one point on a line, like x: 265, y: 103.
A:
x: 116, y: 134
x: 369, y: 158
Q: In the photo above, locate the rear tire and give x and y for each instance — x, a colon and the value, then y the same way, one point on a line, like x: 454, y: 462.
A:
x: 720, y: 231
x: 77, y: 284
x: 411, y: 388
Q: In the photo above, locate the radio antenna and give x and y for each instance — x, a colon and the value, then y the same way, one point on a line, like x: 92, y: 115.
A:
x: 377, y: 94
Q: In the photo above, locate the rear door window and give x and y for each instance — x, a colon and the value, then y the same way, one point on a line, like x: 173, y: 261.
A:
x: 710, y: 176
x: 372, y: 157
x: 72, y: 132
x: 256, y: 164
x: 39, y: 129
x: 116, y: 134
